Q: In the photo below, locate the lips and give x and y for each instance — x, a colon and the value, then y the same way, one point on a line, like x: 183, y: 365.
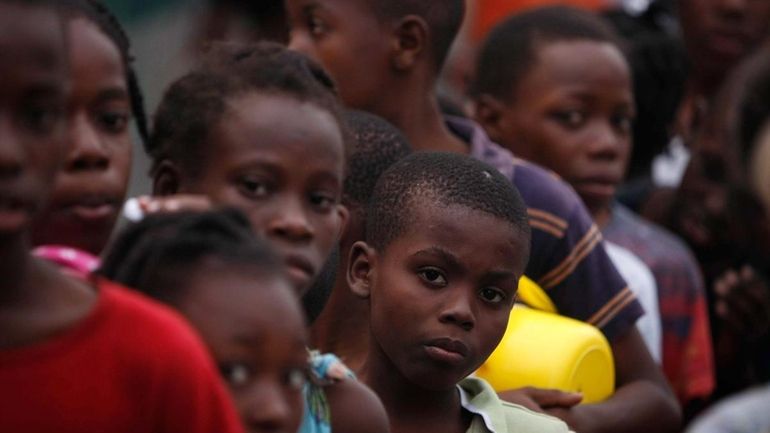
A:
x: 447, y: 351
x: 93, y: 208
x: 300, y: 269
x: 14, y: 211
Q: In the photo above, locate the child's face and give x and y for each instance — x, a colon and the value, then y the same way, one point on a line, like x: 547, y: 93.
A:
x: 281, y: 161
x: 91, y: 186
x: 33, y: 97
x: 572, y: 112
x: 253, y: 326
x: 441, y: 293
x: 718, y: 33
x: 348, y: 40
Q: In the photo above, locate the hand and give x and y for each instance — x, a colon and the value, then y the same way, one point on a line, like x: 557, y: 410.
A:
x: 743, y: 302
x: 541, y: 400
x: 136, y: 209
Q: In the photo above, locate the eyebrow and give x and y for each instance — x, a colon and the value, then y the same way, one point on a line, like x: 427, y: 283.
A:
x: 112, y: 93
x: 443, y: 254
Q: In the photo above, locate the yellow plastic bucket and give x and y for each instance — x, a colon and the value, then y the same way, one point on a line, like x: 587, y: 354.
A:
x: 546, y: 350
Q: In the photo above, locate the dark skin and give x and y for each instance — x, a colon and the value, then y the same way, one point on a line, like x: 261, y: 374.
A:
x: 91, y: 186
x: 345, y: 317
x: 406, y: 98
x: 262, y: 357
x: 281, y: 162
x: 36, y: 302
x: 716, y: 212
x: 572, y: 113
x: 440, y: 296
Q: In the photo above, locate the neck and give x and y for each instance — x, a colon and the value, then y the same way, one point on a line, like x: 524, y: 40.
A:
x: 409, y: 406
x: 343, y: 326
x: 414, y: 109
x: 602, y: 215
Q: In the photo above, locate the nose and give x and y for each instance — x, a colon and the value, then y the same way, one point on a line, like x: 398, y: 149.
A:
x: 291, y: 223
x: 607, y: 143
x: 86, y: 152
x: 458, y: 310
x: 300, y: 42
x: 11, y: 152
x: 267, y: 409
x: 732, y: 7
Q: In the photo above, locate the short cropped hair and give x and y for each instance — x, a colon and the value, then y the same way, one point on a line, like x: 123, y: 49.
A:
x: 377, y: 145
x: 195, y: 103
x: 444, y: 19
x: 445, y: 179
x: 157, y: 255
x: 510, y: 50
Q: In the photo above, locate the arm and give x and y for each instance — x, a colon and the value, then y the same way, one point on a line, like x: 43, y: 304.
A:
x: 641, y: 403
x: 355, y: 408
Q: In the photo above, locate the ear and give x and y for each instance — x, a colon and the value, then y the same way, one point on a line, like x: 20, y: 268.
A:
x: 488, y: 112
x: 167, y: 180
x: 361, y: 272
x: 410, y: 42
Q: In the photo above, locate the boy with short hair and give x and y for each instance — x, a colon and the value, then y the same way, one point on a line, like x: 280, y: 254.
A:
x: 440, y: 292
x: 562, y: 97
x: 376, y: 146
x: 386, y: 57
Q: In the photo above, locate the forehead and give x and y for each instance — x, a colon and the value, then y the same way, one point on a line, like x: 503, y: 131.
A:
x: 226, y: 301
x: 456, y: 228
x: 361, y: 8
x: 280, y: 128
x: 92, y: 51
x: 31, y: 41
x: 578, y: 62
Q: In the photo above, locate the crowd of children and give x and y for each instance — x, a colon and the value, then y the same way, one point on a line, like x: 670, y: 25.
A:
x: 334, y: 245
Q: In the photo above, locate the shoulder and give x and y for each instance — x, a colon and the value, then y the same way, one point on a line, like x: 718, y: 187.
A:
x: 480, y: 399
x: 658, y: 247
x: 144, y: 330
x: 355, y: 408
x: 521, y: 419
x: 543, y: 189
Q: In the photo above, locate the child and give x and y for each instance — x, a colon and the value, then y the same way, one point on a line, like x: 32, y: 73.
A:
x: 258, y: 128
x: 718, y: 210
x: 91, y: 185
x: 235, y: 292
x: 562, y: 98
x: 440, y: 292
x: 72, y: 358
x: 344, y: 322
x: 386, y: 57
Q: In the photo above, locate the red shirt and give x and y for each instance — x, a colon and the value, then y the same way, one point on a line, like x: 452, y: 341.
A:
x: 130, y: 366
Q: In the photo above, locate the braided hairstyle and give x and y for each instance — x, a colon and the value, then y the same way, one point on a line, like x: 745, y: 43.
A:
x: 96, y: 12
x: 160, y: 253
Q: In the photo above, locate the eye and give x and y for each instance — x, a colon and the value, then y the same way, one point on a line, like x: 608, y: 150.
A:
x: 42, y: 118
x: 235, y: 374
x: 323, y: 201
x: 253, y: 187
x: 433, y: 277
x: 315, y: 26
x: 113, y: 121
x: 623, y: 123
x: 572, y: 119
x: 492, y: 295
x: 296, y: 378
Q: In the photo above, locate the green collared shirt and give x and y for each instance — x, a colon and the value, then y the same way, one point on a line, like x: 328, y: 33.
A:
x: 493, y: 415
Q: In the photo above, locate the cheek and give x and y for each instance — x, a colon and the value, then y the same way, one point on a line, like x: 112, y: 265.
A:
x: 493, y: 330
